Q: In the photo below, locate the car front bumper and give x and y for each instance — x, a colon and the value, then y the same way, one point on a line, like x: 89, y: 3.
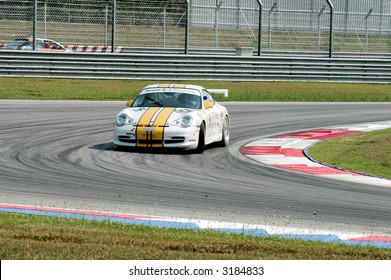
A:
x: 156, y: 137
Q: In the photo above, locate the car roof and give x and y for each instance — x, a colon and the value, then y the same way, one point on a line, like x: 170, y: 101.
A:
x: 31, y: 38
x: 179, y: 86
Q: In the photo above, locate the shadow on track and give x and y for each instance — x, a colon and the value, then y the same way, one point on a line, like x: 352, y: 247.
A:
x: 165, y: 151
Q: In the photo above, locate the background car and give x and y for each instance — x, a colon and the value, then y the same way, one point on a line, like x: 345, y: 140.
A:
x: 172, y: 116
x: 26, y: 44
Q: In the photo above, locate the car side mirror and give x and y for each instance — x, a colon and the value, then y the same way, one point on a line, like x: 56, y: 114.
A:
x: 208, y: 105
x: 129, y: 103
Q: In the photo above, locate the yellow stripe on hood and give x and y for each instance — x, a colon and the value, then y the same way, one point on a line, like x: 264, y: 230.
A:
x: 159, y: 124
x: 150, y: 138
x: 144, y: 121
x: 147, y: 116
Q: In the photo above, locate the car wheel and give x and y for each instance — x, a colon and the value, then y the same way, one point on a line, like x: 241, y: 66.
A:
x: 201, y: 140
x: 225, y: 137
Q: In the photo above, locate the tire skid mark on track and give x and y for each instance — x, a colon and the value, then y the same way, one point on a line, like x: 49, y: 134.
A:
x: 61, y: 154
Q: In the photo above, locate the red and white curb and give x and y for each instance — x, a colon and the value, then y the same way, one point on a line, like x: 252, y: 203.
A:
x: 361, y: 239
x: 87, y: 48
x: 93, y: 49
x: 287, y: 151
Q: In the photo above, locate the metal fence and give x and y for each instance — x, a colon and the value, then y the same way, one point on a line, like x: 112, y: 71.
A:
x: 90, y: 22
x: 267, y: 27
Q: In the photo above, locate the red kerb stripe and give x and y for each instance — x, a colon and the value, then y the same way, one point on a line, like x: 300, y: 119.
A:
x: 318, y: 170
x: 320, y: 134
x: 271, y: 150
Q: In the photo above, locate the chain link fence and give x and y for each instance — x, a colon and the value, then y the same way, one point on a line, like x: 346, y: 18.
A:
x: 358, y: 26
x: 85, y: 22
x: 268, y: 27
x: 224, y: 24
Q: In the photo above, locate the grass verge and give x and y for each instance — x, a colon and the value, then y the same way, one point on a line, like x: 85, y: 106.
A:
x: 367, y: 152
x: 68, y: 89
x: 39, y: 237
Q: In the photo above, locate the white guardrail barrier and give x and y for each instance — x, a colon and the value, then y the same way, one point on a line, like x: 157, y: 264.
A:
x: 80, y: 65
x: 219, y: 91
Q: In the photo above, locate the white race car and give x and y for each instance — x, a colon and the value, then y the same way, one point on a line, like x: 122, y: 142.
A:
x: 172, y: 116
x: 26, y: 44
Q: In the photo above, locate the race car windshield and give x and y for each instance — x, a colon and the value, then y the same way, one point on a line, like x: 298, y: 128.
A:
x: 168, y: 99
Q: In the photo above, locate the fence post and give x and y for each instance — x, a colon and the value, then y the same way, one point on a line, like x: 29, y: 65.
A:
x: 218, y: 5
x: 113, y: 26
x: 106, y: 22
x: 366, y: 28
x: 260, y: 27
x: 187, y: 27
x: 35, y: 10
x: 331, y: 28
x: 164, y: 23
x: 272, y: 9
x: 45, y: 19
x: 346, y: 19
x: 319, y: 15
x: 381, y: 23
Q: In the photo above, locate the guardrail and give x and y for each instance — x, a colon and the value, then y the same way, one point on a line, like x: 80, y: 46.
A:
x: 191, y: 67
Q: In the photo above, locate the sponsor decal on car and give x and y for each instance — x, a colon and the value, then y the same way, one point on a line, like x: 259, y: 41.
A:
x: 182, y: 111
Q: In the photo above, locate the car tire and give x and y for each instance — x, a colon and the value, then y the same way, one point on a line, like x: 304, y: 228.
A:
x: 225, y: 133
x: 201, y: 140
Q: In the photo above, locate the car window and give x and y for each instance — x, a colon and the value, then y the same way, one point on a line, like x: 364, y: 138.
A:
x: 14, y: 44
x: 56, y: 46
x: 40, y: 44
x: 27, y: 45
x: 188, y: 100
x: 168, y: 99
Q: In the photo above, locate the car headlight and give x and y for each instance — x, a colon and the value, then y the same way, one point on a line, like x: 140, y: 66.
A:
x: 123, y: 119
x: 185, y: 121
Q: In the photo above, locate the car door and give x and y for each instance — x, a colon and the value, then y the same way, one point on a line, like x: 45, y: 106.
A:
x: 212, y: 123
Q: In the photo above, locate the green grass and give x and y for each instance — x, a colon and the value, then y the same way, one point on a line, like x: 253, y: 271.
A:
x: 368, y: 152
x: 66, y: 89
x: 38, y: 237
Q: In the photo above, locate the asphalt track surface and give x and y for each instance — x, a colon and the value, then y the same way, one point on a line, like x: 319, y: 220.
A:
x: 60, y: 154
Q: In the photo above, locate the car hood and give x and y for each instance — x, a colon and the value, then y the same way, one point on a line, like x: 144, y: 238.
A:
x: 160, y: 116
